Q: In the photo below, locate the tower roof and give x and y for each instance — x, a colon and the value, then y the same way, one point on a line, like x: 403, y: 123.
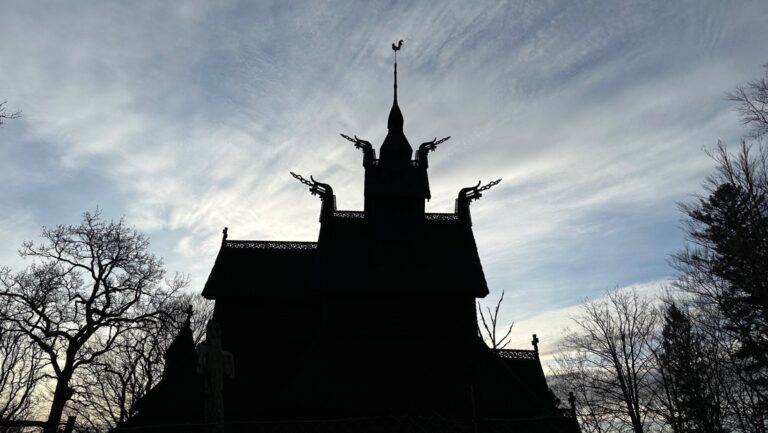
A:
x: 182, y: 349
x: 395, y: 149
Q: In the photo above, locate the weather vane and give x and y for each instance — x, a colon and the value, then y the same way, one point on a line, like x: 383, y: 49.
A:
x: 396, y: 48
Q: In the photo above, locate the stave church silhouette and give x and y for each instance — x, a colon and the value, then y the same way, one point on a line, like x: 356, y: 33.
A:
x: 371, y: 328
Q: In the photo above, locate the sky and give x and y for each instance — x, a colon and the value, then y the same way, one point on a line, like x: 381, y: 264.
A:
x: 186, y: 117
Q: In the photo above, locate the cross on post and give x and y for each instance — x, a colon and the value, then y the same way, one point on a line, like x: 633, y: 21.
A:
x: 572, y: 403
x: 214, y: 364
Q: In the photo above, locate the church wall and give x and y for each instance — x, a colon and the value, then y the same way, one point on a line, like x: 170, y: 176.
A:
x: 397, y: 314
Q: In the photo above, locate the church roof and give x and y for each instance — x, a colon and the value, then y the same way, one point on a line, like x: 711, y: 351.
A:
x: 443, y: 258
x: 262, y: 268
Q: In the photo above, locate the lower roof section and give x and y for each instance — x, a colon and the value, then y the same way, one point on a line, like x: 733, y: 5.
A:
x: 441, y: 258
x: 262, y: 268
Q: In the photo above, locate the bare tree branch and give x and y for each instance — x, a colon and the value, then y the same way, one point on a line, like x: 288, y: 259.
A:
x: 91, y: 288
x: 491, y: 334
x: 5, y: 116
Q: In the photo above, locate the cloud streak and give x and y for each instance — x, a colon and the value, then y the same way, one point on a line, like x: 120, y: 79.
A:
x: 187, y: 118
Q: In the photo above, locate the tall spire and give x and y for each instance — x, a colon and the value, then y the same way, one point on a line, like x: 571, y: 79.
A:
x: 396, y: 48
x: 396, y: 147
x: 395, y: 120
x: 395, y: 100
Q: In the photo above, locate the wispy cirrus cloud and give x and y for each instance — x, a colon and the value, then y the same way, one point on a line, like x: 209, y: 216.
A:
x: 187, y: 117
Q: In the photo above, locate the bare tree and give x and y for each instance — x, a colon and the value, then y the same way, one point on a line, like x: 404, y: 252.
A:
x: 110, y: 387
x: 88, y: 286
x: 752, y: 103
x: 21, y: 372
x: 610, y: 355
x: 491, y: 335
x: 571, y: 372
x: 5, y: 115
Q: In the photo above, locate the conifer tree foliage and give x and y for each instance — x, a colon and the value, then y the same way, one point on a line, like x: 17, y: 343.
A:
x: 725, y: 269
x: 88, y: 287
x: 709, y: 370
x: 688, y: 389
x: 728, y: 262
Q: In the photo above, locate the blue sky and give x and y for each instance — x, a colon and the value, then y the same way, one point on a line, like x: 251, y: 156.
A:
x: 186, y: 117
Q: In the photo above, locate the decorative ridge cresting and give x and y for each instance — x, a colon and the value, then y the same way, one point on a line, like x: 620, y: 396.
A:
x: 517, y: 354
x: 430, y: 216
x: 349, y: 214
x: 270, y: 245
x: 436, y: 216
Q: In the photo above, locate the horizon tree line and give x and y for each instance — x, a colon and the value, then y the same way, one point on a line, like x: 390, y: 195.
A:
x: 697, y: 359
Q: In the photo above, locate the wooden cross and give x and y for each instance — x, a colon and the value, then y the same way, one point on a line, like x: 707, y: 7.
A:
x: 214, y: 364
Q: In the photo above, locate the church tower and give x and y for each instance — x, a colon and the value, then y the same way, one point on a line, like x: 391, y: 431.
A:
x: 396, y: 186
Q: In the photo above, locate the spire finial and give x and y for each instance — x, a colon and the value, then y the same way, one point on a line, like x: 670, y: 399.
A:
x: 395, y: 149
x: 396, y: 48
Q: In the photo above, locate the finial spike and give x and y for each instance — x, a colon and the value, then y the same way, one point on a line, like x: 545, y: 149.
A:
x: 396, y: 48
x: 395, y: 80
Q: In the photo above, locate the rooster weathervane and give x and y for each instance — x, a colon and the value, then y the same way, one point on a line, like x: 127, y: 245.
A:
x: 396, y: 48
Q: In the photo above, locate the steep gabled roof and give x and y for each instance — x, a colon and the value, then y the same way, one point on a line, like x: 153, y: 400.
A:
x: 442, y: 259
x: 262, y: 268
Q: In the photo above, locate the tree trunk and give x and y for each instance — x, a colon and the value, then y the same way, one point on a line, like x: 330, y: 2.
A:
x: 61, y: 396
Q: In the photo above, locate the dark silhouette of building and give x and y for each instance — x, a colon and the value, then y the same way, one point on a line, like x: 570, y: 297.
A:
x: 371, y: 328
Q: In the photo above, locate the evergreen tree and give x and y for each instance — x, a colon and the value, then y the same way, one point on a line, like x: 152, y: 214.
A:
x: 689, y: 399
x: 730, y: 228
x: 725, y: 267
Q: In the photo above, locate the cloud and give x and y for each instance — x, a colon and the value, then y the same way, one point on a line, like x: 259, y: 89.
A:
x: 187, y: 118
x: 551, y: 326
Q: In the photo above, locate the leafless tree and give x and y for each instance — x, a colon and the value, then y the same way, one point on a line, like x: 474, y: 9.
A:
x: 752, y: 103
x: 21, y: 372
x: 490, y: 325
x: 571, y: 372
x: 107, y: 389
x: 5, y: 115
x: 110, y: 387
x: 609, y: 355
x: 88, y: 286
